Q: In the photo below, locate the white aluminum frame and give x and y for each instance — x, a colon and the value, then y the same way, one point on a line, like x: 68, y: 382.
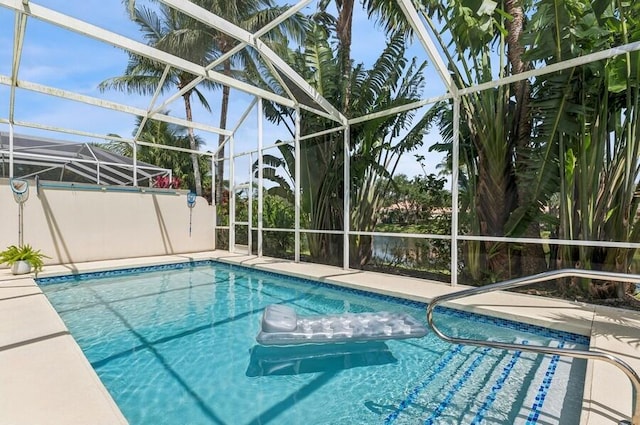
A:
x: 25, y: 10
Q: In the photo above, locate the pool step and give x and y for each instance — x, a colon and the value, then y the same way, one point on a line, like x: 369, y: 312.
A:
x: 487, y: 386
x: 447, y: 363
x: 459, y: 382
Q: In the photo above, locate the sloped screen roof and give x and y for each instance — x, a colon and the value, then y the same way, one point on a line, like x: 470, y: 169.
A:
x: 71, y: 162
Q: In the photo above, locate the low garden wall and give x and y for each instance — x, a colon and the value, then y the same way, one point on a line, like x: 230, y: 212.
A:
x: 72, y: 226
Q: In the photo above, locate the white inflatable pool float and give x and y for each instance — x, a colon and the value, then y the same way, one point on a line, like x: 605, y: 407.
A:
x: 282, y: 326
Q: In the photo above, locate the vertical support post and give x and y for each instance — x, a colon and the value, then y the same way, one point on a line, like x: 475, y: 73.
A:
x: 11, y: 150
x: 454, y: 190
x: 346, y: 216
x: 260, y: 175
x: 296, y: 186
x: 232, y: 197
x: 20, y: 224
x: 135, y: 164
x: 250, y: 207
x: 213, y: 199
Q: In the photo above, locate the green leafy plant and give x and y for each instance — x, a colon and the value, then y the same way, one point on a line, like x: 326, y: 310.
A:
x: 13, y: 254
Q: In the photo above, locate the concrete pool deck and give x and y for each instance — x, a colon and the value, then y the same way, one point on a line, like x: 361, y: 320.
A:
x: 45, y: 378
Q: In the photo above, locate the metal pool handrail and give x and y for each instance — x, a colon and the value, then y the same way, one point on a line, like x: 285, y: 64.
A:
x: 542, y: 277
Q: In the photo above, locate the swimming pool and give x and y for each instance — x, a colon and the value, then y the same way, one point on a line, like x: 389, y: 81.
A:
x: 176, y: 344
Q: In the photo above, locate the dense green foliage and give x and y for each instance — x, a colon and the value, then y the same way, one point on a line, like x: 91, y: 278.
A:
x: 419, y: 205
x: 277, y: 213
x: 414, y: 200
x: 557, y: 153
x: 588, y: 123
x: 165, y: 134
x: 375, y: 146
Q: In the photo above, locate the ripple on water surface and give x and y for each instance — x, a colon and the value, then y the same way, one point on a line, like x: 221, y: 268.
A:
x: 178, y: 346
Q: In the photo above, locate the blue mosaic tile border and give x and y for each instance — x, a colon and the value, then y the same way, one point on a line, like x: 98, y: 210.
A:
x: 510, y: 324
x: 525, y: 327
x: 79, y: 277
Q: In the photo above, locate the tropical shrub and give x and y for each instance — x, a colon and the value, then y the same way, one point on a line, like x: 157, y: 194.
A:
x: 14, y: 253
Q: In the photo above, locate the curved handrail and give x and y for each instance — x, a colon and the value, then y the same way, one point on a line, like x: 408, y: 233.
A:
x: 542, y: 277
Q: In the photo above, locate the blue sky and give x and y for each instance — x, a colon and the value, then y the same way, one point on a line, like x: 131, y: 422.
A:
x: 56, y: 57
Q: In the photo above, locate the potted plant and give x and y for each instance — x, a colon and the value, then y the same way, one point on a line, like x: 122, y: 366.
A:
x: 22, y: 259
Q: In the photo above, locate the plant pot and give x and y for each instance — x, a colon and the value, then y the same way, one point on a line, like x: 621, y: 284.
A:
x: 21, y: 267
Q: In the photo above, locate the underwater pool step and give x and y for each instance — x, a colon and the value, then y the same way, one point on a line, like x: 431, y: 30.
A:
x: 499, y: 383
x: 459, y: 381
x: 493, y: 394
x: 463, y: 396
x: 480, y: 389
x: 450, y: 360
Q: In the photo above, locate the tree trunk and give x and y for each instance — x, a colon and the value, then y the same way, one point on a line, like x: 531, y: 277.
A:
x: 360, y: 251
x: 224, y: 108
x: 343, y: 29
x: 532, y: 259
x: 192, y: 144
x: 494, y: 202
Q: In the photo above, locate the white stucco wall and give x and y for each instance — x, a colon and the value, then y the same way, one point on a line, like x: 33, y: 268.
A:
x: 73, y: 226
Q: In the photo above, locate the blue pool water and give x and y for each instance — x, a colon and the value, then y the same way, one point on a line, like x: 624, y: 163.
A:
x: 176, y: 345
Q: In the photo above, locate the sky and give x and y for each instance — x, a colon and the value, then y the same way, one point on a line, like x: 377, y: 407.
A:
x: 56, y: 57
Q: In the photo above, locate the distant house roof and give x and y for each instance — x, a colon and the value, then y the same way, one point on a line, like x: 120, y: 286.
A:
x: 71, y: 162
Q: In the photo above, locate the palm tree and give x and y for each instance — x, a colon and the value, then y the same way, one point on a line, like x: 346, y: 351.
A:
x: 474, y: 31
x: 179, y: 35
x: 583, y: 147
x: 163, y: 134
x: 490, y: 121
x: 272, y: 169
x: 250, y: 15
x: 588, y: 120
x: 376, y: 145
x: 344, y: 29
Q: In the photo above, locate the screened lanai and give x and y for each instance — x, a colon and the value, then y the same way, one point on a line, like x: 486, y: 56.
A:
x: 465, y: 142
x: 70, y: 162
x: 504, y: 121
